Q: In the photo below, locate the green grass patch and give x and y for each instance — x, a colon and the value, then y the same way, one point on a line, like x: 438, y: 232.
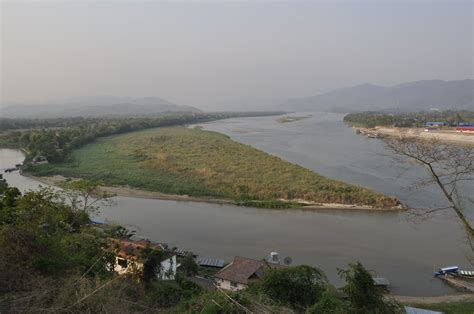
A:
x: 292, y: 119
x: 462, y: 307
x: 179, y: 160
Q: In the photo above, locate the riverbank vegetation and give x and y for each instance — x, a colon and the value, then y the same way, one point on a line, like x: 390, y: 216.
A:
x: 407, y: 120
x: 460, y: 307
x: 292, y: 119
x: 55, y: 260
x: 185, y: 161
x: 56, y: 138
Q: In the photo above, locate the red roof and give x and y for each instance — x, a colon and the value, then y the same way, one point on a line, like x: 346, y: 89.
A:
x: 129, y: 249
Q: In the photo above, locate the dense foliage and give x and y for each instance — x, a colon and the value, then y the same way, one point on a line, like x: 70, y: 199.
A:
x: 364, y: 296
x: 406, y: 120
x: 204, y: 164
x: 54, y: 260
x: 55, y: 138
x: 40, y: 235
x: 297, y: 286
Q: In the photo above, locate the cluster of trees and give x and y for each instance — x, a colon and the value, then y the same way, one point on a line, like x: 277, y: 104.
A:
x: 55, y: 138
x: 406, y: 120
x: 54, y: 260
x: 16, y: 124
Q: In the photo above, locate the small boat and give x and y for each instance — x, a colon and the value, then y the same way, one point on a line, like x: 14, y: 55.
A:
x: 447, y: 270
x: 466, y: 273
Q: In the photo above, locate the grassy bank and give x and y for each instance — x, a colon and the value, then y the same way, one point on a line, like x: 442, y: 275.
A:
x: 461, y: 307
x: 200, y: 163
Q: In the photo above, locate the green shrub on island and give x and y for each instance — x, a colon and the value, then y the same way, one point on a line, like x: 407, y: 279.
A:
x: 184, y: 161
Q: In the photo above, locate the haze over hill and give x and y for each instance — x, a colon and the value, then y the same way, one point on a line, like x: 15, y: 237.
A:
x: 93, y: 106
x: 411, y: 96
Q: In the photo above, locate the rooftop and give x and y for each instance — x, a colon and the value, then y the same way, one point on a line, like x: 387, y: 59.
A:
x: 129, y: 249
x: 243, y: 269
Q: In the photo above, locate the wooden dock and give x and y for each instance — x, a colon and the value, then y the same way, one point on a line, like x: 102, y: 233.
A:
x: 458, y: 283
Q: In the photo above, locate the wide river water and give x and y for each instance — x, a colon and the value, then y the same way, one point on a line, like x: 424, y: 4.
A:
x: 398, y: 246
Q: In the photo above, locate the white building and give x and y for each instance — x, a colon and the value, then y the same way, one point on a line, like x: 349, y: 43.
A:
x: 128, y: 259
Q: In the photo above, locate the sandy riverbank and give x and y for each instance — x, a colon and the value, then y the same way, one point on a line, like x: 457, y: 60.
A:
x: 443, y: 135
x: 133, y: 192
x: 434, y: 300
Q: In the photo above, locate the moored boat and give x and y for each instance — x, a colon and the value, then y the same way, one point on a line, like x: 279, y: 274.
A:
x: 466, y: 273
x: 447, y: 270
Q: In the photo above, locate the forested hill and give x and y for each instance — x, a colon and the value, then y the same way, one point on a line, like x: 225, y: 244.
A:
x: 97, y: 106
x: 412, y: 96
x: 55, y: 138
x: 408, y: 120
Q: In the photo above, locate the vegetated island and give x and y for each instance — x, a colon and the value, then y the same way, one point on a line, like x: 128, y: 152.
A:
x: 292, y: 119
x: 191, y: 162
x: 456, y: 127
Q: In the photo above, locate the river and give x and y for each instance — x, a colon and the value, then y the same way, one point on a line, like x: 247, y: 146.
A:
x: 397, y: 246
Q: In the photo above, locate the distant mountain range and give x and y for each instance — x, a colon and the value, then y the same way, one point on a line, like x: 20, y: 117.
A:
x: 93, y: 106
x: 412, y: 96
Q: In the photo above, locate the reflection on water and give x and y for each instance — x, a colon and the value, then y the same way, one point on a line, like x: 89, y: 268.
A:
x: 393, y: 244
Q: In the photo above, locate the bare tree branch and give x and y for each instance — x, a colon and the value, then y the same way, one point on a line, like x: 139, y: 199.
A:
x: 447, y: 165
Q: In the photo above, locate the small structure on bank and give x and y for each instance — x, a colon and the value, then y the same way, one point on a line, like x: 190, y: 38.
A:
x: 130, y: 259
x: 381, y: 282
x: 39, y: 160
x: 460, y: 279
x: 436, y: 123
x: 242, y: 271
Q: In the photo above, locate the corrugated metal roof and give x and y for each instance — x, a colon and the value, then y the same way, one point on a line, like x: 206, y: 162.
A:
x: 414, y: 310
x: 212, y: 262
x: 181, y: 252
x: 379, y: 281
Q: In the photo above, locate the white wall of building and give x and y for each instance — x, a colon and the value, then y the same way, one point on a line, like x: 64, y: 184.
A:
x: 167, y: 272
x: 229, y: 285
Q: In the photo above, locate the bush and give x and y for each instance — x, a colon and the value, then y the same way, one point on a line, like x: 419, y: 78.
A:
x: 330, y: 302
x: 298, y: 287
x: 364, y: 296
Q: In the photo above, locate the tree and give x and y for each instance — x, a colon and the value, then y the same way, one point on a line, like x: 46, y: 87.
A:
x: 40, y: 234
x: 364, y: 296
x: 188, y: 265
x: 447, y: 165
x: 331, y: 301
x: 298, y: 287
x: 151, y: 265
x: 85, y: 195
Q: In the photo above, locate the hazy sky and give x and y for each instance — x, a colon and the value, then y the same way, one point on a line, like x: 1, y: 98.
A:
x: 202, y: 52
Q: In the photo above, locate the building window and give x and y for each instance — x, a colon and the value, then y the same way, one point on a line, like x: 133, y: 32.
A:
x: 233, y: 284
x: 122, y: 262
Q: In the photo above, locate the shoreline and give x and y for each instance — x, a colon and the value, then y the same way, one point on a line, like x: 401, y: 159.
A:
x: 138, y: 193
x: 442, y: 135
x: 433, y: 300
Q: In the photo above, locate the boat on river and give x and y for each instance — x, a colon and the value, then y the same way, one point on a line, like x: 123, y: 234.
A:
x: 466, y: 273
x: 455, y: 272
x: 447, y: 270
